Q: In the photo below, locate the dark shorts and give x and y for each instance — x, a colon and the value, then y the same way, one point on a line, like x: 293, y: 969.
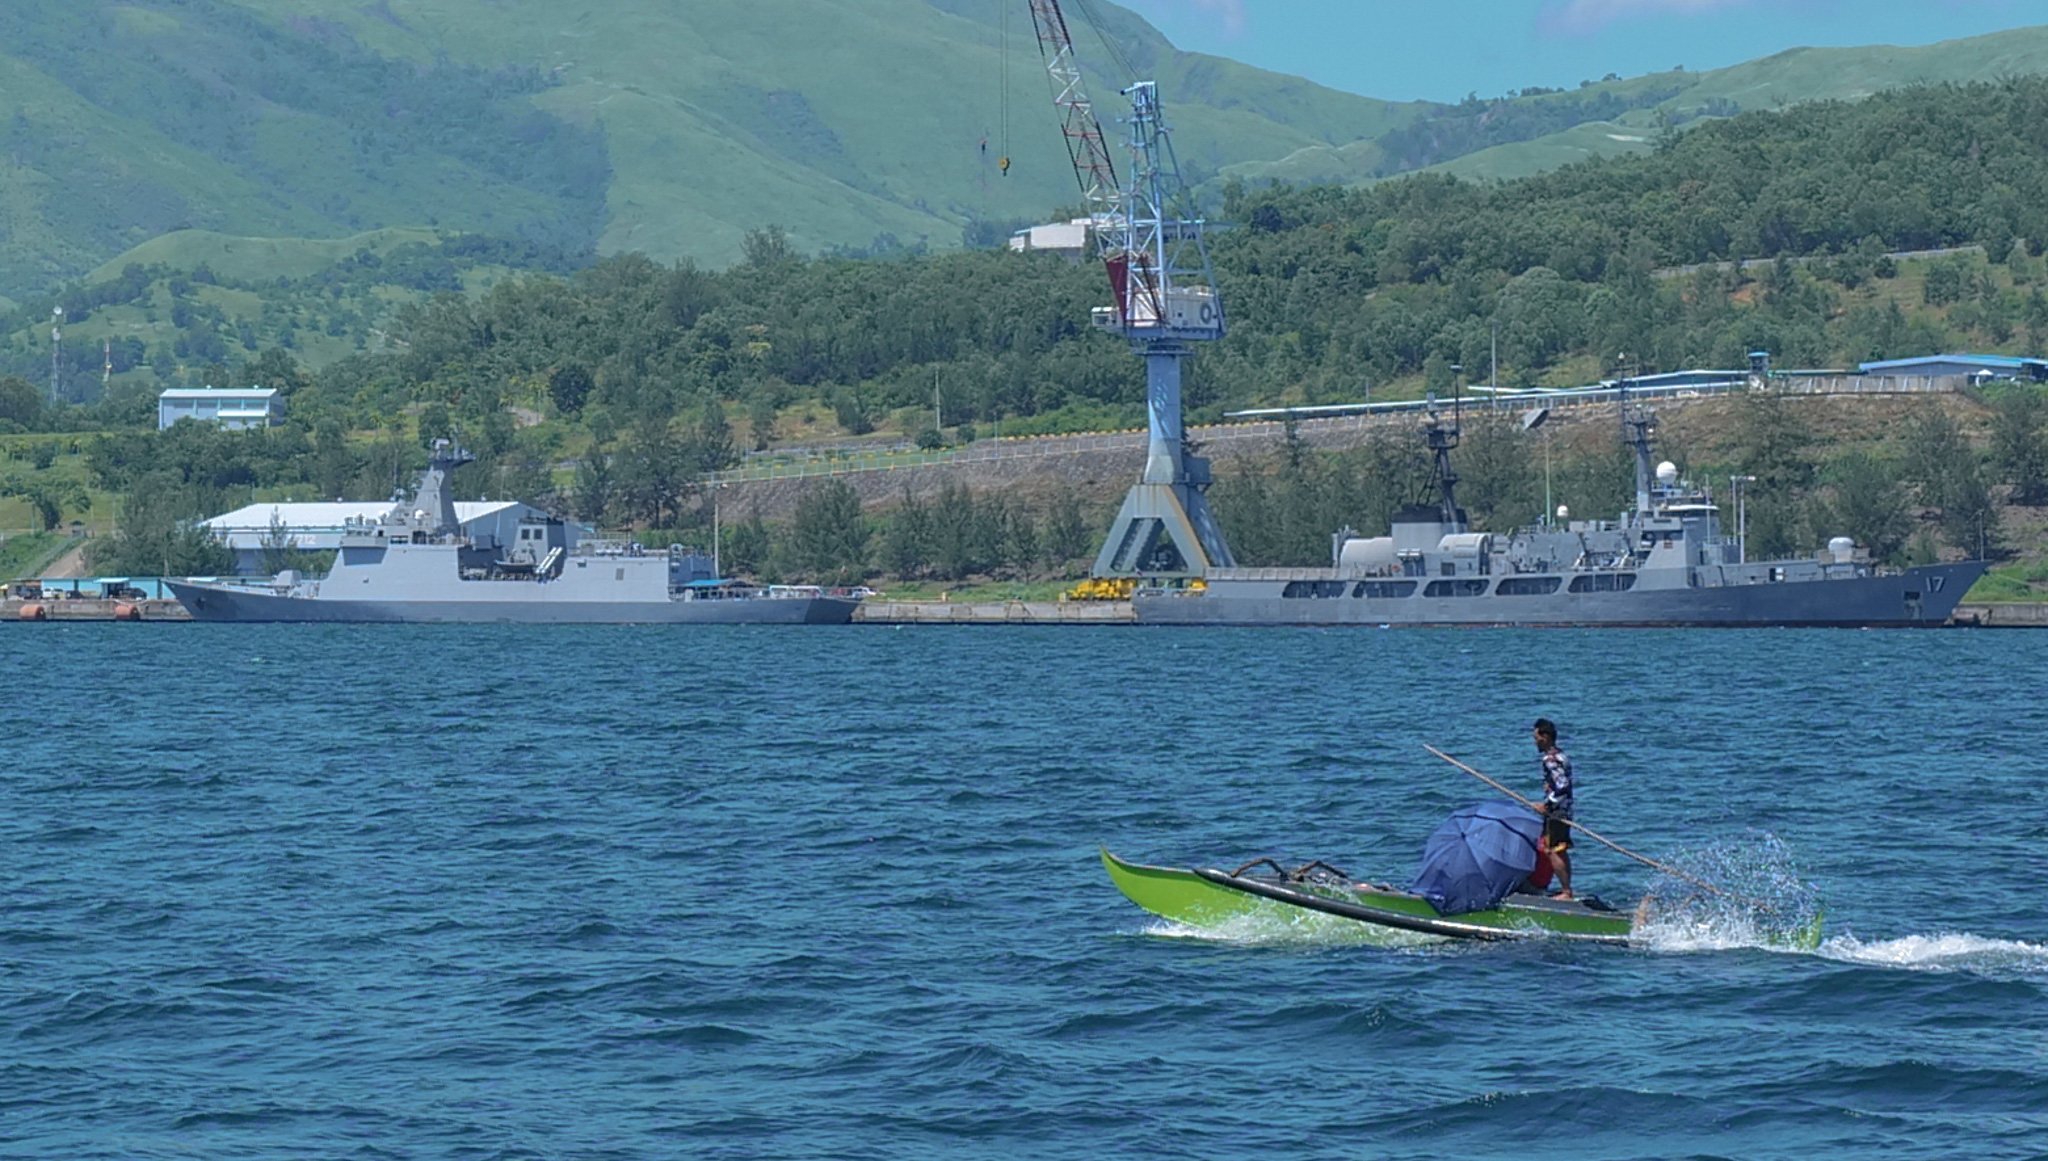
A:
x: 1556, y: 835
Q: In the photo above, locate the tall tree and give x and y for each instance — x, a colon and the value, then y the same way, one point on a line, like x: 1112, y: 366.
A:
x: 828, y: 535
x: 654, y: 470
x: 907, y: 541
x: 334, y: 465
x: 20, y: 403
x: 596, y: 487
x: 158, y: 534
x: 1066, y: 530
x: 1868, y: 503
x: 2019, y: 445
x: 1951, y: 479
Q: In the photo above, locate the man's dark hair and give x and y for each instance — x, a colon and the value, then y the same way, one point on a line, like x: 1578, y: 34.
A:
x: 1546, y: 727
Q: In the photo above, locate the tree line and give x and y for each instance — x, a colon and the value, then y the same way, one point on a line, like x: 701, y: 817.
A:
x: 615, y: 388
x: 1329, y: 289
x: 1922, y: 490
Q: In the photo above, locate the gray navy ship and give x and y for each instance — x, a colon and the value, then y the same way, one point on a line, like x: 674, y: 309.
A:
x: 1667, y: 562
x: 414, y: 564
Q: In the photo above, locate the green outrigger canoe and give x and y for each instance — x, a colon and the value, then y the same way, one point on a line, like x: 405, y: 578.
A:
x: 1211, y: 898
x: 1264, y: 893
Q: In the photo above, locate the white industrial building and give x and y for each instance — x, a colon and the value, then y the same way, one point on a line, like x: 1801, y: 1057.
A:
x: 1066, y: 238
x: 231, y: 407
x: 317, y: 527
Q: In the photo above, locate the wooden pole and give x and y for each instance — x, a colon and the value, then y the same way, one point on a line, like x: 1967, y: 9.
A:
x: 1667, y: 868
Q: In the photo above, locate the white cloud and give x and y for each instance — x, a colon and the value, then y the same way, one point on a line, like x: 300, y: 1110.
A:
x: 1227, y: 15
x: 1580, y: 17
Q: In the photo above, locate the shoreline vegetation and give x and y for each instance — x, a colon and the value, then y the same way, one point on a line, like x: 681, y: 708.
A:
x: 609, y: 392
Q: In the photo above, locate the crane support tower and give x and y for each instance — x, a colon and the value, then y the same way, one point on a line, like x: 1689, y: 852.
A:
x: 1164, y: 299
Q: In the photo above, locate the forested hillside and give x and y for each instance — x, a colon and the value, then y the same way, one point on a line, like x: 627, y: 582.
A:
x: 644, y: 375
x: 1329, y: 290
x: 646, y: 126
x: 1536, y: 130
x: 635, y: 125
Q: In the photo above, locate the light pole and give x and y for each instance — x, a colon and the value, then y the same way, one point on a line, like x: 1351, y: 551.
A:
x: 1741, y: 518
x: 717, y: 573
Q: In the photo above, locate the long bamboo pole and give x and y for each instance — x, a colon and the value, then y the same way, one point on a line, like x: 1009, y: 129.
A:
x: 1647, y: 861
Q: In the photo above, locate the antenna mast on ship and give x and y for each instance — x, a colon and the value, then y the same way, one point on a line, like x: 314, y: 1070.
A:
x: 1442, y: 440
x: 1638, y: 431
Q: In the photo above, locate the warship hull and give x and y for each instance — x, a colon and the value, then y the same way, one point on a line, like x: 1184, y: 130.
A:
x: 1923, y: 597
x: 212, y: 602
x: 417, y: 564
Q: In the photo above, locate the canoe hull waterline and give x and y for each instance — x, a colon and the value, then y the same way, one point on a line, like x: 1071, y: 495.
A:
x: 1208, y: 898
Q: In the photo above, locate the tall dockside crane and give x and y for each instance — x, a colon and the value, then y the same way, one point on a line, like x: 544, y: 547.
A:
x: 1165, y: 298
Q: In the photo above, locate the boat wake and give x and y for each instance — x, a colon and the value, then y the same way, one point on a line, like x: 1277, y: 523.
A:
x: 1779, y: 910
x: 1310, y: 929
x: 1946, y: 952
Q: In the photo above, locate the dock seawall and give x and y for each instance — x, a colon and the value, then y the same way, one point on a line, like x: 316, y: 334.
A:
x: 2002, y: 616
x: 92, y: 609
x: 884, y: 612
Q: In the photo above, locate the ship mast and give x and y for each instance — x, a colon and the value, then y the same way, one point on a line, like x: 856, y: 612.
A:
x: 1638, y: 431
x: 1442, y: 439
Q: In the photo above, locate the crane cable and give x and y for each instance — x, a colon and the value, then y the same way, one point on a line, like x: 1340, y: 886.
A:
x: 1003, y: 90
x: 1109, y: 47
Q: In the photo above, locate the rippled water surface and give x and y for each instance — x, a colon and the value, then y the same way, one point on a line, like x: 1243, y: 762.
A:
x: 691, y: 892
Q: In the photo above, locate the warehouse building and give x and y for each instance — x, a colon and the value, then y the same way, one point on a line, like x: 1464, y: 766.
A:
x: 230, y: 407
x: 1962, y: 366
x: 317, y: 527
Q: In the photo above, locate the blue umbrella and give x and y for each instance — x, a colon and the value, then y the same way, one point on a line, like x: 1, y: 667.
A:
x: 1476, y: 857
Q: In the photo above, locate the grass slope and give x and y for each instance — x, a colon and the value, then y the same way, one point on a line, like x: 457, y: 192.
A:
x: 1679, y: 98
x: 1773, y: 82
x: 677, y: 129
x: 627, y: 124
x: 253, y: 259
x: 1523, y: 158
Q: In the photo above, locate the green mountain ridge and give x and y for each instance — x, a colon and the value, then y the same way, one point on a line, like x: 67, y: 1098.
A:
x: 1782, y: 79
x: 632, y: 125
x: 184, y: 132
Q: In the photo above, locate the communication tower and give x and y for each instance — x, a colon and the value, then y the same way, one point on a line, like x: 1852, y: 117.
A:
x: 56, y: 350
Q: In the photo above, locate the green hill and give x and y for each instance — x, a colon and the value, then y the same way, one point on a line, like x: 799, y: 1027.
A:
x: 259, y: 139
x: 1773, y: 82
x: 633, y: 125
x: 1523, y: 158
x: 1533, y: 131
x: 253, y: 259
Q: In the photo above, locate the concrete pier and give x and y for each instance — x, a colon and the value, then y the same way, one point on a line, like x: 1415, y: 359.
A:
x: 2001, y: 616
x: 92, y: 609
x: 885, y: 612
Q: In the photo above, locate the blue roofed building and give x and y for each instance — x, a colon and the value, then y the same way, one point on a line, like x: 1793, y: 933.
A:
x: 1962, y: 366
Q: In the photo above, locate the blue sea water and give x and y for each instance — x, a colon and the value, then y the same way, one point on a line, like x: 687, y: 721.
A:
x: 507, y: 892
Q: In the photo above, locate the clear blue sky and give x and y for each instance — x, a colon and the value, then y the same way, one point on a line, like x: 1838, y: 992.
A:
x: 1443, y: 49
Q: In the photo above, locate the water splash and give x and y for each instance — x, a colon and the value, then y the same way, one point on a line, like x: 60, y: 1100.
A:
x: 1754, y: 896
x: 1948, y: 951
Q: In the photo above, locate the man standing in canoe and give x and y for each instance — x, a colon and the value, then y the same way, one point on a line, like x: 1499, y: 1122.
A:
x: 1556, y: 806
